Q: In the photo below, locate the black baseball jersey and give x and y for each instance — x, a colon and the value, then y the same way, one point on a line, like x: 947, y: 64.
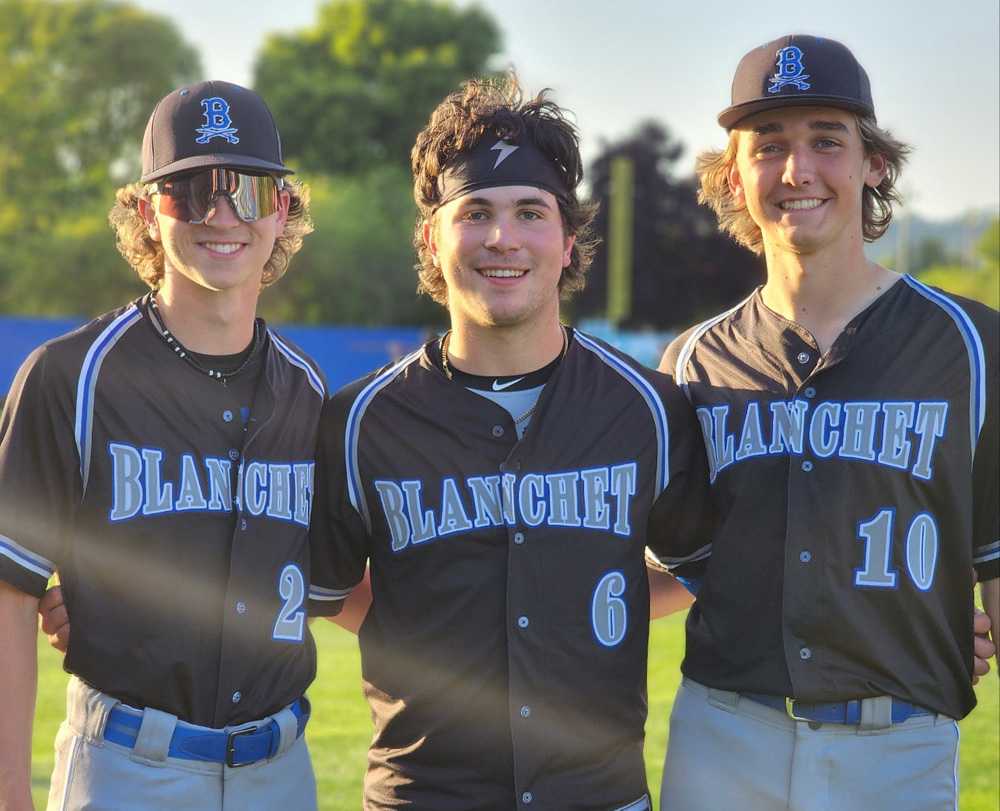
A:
x: 176, y: 510
x: 504, y: 656
x: 855, y: 492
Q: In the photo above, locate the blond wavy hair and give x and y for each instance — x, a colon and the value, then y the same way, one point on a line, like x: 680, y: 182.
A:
x: 145, y: 254
x: 712, y: 168
x: 497, y: 106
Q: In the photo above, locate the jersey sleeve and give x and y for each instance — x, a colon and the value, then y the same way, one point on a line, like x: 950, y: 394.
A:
x: 39, y: 474
x: 339, y: 540
x: 985, y: 479
x: 680, y: 523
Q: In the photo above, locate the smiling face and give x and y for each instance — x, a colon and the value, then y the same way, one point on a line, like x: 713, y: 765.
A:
x: 800, y: 172
x: 223, y: 253
x: 501, y: 251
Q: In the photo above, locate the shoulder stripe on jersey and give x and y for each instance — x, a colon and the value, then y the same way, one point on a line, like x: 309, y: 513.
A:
x: 680, y: 368
x: 352, y: 433
x: 673, y: 563
x: 25, y: 558
x: 653, y: 401
x: 321, y: 594
x: 296, y: 359
x: 982, y: 554
x: 977, y: 357
x: 87, y: 384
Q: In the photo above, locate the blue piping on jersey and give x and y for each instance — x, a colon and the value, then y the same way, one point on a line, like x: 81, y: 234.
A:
x: 352, y: 433
x: 680, y: 368
x: 640, y: 384
x: 322, y: 594
x: 297, y: 360
x: 977, y: 358
x: 87, y: 384
x: 698, y: 554
x: 984, y: 554
x: 25, y: 558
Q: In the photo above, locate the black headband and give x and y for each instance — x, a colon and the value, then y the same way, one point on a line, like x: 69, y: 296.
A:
x: 496, y: 162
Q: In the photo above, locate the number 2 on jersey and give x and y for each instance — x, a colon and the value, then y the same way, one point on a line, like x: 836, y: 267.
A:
x: 291, y: 619
x: 921, y: 551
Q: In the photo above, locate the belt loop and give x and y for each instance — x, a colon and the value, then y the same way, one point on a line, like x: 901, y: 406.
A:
x: 153, y: 742
x: 288, y: 728
x: 876, y: 714
x: 723, y: 699
x: 87, y: 710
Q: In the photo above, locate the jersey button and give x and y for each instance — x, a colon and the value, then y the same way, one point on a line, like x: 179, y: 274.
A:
x: 522, y: 622
x: 807, y: 466
x: 234, y: 454
x: 241, y: 607
x: 243, y: 524
x: 805, y: 556
x: 498, y: 431
x: 518, y: 537
x: 805, y: 654
x: 527, y: 797
x: 810, y: 392
x: 227, y: 416
x: 237, y: 696
x: 803, y: 357
x: 525, y: 711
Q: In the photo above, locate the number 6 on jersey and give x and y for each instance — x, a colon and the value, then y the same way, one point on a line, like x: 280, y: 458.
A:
x: 608, y: 612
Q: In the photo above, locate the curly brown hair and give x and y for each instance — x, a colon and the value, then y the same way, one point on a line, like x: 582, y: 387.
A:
x: 145, y: 254
x: 497, y: 106
x: 712, y: 168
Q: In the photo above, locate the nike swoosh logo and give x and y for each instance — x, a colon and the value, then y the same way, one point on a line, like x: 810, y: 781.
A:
x: 498, y: 386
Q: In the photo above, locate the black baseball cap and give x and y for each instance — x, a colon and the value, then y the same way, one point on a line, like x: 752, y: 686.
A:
x: 211, y: 124
x: 798, y: 70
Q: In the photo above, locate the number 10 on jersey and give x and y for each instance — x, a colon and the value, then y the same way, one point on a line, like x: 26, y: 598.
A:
x: 921, y: 550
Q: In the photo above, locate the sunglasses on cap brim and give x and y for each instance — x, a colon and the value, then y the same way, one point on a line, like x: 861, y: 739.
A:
x: 190, y: 198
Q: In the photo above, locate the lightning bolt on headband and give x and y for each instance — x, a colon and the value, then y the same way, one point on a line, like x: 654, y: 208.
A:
x: 497, y: 162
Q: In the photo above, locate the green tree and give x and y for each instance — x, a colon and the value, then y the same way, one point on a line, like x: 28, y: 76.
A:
x: 352, y: 91
x: 357, y: 267
x: 77, y: 82
x: 931, y: 252
x: 981, y: 281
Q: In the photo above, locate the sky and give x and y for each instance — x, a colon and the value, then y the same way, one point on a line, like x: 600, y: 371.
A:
x: 934, y: 68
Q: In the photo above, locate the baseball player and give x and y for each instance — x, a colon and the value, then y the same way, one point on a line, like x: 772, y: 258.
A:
x: 502, y: 483
x: 162, y: 458
x: 850, y: 416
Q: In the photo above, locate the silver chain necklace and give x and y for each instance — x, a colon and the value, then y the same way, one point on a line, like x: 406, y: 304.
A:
x: 185, y: 354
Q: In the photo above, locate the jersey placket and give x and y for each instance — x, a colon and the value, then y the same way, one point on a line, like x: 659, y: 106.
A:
x: 803, y: 592
x: 526, y: 711
x: 236, y: 613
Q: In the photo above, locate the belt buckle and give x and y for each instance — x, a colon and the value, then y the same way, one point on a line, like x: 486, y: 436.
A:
x: 790, y: 710
x: 231, y: 746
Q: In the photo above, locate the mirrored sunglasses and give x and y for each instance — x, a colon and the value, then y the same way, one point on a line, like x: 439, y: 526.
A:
x: 190, y: 198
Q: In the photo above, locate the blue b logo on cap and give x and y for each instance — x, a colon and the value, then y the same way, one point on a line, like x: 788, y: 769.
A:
x: 218, y: 124
x: 790, y: 70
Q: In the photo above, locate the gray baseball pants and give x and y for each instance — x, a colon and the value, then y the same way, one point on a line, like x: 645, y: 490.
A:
x: 92, y: 774
x: 726, y: 751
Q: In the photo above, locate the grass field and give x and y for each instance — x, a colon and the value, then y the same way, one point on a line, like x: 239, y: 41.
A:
x: 339, y: 732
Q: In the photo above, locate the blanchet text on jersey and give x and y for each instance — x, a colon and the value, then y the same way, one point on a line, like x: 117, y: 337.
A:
x: 278, y: 490
x: 901, y: 435
x: 596, y: 498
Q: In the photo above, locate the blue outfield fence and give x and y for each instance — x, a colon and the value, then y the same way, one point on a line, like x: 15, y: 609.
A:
x: 344, y: 353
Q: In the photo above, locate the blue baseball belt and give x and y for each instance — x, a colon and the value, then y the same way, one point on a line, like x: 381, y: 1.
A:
x: 833, y: 712
x: 241, y: 746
